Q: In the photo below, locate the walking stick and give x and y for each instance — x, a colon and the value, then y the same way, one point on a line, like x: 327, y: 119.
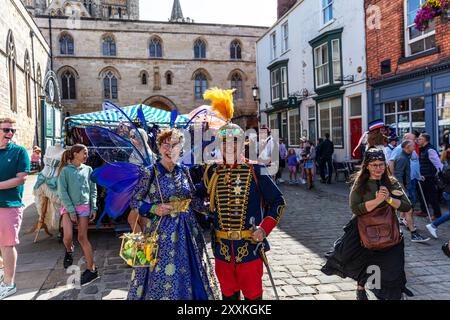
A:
x: 424, y: 201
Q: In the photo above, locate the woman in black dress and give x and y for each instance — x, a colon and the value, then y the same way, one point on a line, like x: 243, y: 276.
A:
x: 382, y: 270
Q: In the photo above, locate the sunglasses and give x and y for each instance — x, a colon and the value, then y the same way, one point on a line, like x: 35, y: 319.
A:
x: 8, y: 130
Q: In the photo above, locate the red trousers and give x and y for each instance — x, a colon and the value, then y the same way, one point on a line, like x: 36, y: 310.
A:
x: 245, y: 277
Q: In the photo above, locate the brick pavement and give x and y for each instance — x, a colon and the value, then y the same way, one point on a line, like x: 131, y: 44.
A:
x: 311, y: 223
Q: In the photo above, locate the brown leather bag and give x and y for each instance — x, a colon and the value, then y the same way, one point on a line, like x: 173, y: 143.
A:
x: 379, y: 229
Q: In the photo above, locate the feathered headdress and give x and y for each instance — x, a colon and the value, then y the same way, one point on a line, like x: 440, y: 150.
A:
x: 222, y: 101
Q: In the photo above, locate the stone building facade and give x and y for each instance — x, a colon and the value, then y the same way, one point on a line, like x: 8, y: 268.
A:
x: 24, y: 61
x: 163, y: 64
x: 103, y: 9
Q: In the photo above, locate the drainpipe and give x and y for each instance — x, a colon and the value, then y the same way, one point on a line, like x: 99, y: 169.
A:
x: 35, y: 96
x: 300, y: 116
x: 51, y: 41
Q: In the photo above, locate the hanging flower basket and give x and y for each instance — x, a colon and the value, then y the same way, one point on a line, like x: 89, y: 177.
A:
x: 430, y: 10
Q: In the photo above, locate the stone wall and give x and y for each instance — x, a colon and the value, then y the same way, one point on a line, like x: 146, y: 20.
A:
x: 14, y: 17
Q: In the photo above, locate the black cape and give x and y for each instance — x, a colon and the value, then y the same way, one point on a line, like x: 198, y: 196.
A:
x: 349, y: 258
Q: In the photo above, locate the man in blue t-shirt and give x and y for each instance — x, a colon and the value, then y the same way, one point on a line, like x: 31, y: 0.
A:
x: 14, y: 168
x: 407, y: 218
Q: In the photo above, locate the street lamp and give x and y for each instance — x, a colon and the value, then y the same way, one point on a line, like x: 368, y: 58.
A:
x: 256, y: 98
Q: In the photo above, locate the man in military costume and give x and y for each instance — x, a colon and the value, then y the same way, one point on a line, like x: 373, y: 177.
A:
x: 246, y: 205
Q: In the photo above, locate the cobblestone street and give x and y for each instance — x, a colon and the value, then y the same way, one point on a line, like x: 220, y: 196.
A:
x: 312, y: 221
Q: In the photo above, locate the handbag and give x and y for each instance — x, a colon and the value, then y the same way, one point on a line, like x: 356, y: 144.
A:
x: 379, y: 229
x: 140, y: 249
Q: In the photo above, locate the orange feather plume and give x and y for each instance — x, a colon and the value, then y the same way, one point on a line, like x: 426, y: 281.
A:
x: 222, y: 101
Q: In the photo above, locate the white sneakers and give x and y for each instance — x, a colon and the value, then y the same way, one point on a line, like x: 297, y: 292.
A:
x: 6, y: 291
x: 432, y: 230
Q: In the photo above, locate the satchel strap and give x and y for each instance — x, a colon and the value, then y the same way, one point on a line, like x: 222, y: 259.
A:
x: 157, y: 183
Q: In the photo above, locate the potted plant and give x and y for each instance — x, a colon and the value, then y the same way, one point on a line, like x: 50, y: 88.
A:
x: 431, y: 9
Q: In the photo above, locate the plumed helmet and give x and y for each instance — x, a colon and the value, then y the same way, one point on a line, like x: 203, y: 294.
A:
x: 222, y: 102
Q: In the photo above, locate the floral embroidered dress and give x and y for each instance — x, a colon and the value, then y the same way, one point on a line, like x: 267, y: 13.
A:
x: 183, y: 271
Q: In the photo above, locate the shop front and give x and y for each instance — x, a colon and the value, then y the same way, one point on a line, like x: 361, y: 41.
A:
x: 415, y: 102
x: 287, y: 122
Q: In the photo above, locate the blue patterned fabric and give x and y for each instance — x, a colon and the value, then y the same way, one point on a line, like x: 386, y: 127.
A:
x: 183, y: 271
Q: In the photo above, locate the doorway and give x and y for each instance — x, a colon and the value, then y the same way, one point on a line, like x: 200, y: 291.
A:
x: 355, y: 126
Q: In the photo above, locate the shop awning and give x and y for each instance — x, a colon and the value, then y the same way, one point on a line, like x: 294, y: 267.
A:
x: 152, y: 115
x: 112, y: 118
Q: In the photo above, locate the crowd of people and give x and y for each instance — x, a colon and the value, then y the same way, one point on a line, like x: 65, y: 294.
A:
x: 243, y: 204
x: 418, y: 166
x: 306, y: 161
x: 393, y: 176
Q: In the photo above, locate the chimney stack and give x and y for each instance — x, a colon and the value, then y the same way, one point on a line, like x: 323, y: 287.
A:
x: 284, y: 6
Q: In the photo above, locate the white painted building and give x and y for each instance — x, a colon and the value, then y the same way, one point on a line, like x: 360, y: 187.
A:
x: 316, y: 51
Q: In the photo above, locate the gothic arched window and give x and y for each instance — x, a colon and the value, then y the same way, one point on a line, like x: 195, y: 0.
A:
x: 109, y: 46
x: 68, y: 86
x: 66, y: 44
x: 155, y: 47
x: 11, y: 52
x: 235, y: 50
x: 39, y: 79
x: 200, y: 49
x: 27, y: 69
x: 169, y: 78
x: 88, y: 6
x: 236, y: 83
x: 110, y: 89
x: 144, y: 77
x: 201, y: 84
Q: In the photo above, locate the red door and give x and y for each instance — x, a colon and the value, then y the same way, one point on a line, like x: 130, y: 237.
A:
x: 355, y: 135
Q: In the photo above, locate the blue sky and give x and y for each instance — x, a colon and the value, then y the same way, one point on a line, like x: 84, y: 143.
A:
x: 243, y: 12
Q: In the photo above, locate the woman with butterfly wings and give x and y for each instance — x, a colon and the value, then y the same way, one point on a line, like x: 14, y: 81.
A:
x: 154, y: 188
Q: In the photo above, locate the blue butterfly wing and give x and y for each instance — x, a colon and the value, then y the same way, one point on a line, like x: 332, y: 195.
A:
x: 112, y: 147
x: 120, y: 179
x: 123, y: 117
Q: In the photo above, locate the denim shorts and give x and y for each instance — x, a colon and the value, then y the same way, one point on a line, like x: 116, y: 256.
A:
x: 309, y: 164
